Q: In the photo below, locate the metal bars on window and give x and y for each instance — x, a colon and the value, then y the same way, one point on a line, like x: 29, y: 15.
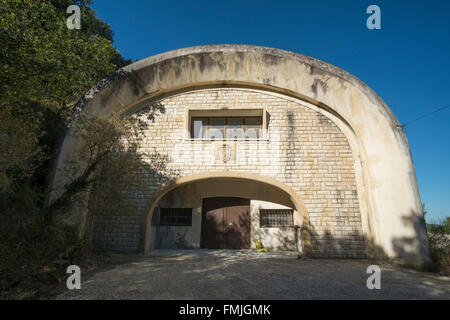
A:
x: 276, y: 218
x: 226, y: 128
x: 175, y: 216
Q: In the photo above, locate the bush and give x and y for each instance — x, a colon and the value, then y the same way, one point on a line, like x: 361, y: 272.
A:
x: 439, y: 239
x: 46, y: 68
x: 29, y: 246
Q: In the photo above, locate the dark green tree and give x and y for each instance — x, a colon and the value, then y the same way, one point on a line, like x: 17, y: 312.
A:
x: 45, y: 68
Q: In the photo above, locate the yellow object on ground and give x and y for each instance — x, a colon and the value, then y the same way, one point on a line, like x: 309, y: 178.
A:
x: 259, y: 247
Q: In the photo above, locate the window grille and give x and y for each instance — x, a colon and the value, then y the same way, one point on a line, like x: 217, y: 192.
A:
x: 276, y: 218
x: 175, y: 217
x: 226, y: 128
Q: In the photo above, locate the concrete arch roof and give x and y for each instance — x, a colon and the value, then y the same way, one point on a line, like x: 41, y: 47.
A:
x: 227, y: 64
x: 390, y: 182
x: 270, y: 57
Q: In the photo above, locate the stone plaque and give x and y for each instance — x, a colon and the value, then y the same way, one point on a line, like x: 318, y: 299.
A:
x: 224, y: 153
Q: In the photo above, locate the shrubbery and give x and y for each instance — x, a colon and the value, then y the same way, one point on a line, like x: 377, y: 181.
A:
x: 45, y: 68
x: 439, y: 238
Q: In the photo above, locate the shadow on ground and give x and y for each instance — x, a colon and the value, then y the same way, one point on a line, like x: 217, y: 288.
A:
x: 246, y: 274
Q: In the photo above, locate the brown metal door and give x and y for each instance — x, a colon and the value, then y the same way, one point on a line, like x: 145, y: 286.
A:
x: 213, y: 223
x: 238, y: 223
x: 226, y: 223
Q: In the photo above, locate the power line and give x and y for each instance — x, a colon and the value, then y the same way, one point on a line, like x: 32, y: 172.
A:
x: 424, y: 116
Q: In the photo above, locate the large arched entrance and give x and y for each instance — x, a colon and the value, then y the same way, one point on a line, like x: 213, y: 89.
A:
x: 226, y: 210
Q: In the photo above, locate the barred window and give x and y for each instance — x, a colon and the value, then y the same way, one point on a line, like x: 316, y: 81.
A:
x: 276, y: 218
x: 175, y: 217
x: 226, y: 128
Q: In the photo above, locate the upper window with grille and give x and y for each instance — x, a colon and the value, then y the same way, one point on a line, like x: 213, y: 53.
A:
x: 226, y: 128
x: 276, y: 218
x: 175, y: 216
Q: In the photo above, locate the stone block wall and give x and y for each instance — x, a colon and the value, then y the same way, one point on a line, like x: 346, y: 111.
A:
x: 302, y: 149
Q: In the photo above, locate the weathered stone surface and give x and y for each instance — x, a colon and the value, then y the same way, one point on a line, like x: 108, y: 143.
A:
x: 386, y: 189
x: 303, y: 149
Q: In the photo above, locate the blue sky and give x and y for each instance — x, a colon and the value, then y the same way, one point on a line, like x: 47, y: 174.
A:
x: 407, y: 62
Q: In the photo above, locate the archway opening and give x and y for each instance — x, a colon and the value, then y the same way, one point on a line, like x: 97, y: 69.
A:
x: 225, y: 213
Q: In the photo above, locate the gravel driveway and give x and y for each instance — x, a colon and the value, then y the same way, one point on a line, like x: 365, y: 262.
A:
x: 244, y: 274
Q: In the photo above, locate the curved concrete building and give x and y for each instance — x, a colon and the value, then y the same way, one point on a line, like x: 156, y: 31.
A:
x: 269, y: 146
